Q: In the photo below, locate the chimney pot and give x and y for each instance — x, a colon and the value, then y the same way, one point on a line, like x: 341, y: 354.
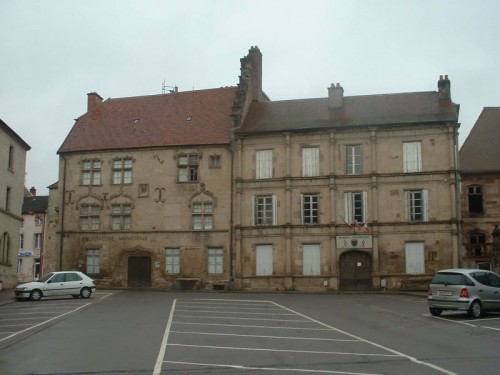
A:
x: 33, y: 191
x: 444, y: 91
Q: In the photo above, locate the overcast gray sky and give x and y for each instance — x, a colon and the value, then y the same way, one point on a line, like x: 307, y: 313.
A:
x: 55, y: 52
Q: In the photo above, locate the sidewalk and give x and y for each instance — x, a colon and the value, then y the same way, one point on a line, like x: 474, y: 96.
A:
x: 6, y: 296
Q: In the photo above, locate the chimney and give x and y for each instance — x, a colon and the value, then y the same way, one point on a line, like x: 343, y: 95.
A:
x: 93, y: 100
x: 255, y: 57
x: 335, y: 96
x: 444, y: 92
x: 33, y: 191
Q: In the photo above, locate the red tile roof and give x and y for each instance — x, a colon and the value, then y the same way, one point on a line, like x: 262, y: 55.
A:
x: 384, y: 109
x: 480, y: 152
x: 201, y: 117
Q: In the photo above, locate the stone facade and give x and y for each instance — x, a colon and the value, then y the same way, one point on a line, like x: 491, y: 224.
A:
x: 12, y: 170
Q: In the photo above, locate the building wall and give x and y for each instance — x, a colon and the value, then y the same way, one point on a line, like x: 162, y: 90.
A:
x: 384, y: 182
x: 162, y: 210
x: 12, y: 181
x: 30, y: 254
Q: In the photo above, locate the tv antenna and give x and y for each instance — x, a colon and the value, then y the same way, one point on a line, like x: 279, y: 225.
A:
x: 170, y: 89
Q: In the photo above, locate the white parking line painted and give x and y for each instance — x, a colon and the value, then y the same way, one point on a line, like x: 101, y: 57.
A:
x: 412, y: 359
x: 44, y: 322
x: 286, y: 350
x: 271, y: 368
x: 233, y: 318
x: 235, y: 312
x: 252, y: 326
x: 164, y: 342
x: 265, y: 336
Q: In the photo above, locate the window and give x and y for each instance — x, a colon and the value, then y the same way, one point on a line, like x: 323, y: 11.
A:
x: 215, y: 260
x: 264, y: 210
x: 10, y: 164
x: 4, y: 248
x: 264, y: 164
x: 90, y: 217
x: 202, y: 216
x: 477, y: 243
x: 310, y: 212
x: 188, y: 168
x: 264, y: 260
x: 121, y: 216
x: 173, y: 260
x: 93, y: 261
x: 355, y: 207
x: 122, y: 171
x: 19, y: 266
x: 417, y: 205
x: 214, y: 161
x: 7, y: 198
x: 415, y: 263
x: 311, y: 260
x: 475, y: 199
x: 37, y: 240
x: 412, y: 157
x: 353, y: 160
x: 21, y: 241
x: 91, y: 172
x: 310, y: 161
x: 38, y: 220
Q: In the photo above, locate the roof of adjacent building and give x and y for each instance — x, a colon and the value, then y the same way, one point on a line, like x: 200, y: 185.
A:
x: 201, y: 117
x: 35, y: 204
x: 14, y: 135
x: 386, y: 109
x: 480, y: 152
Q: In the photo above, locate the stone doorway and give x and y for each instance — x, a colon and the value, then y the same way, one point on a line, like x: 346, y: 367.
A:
x: 139, y: 272
x: 355, y: 271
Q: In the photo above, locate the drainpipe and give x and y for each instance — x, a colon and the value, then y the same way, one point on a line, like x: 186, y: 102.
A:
x: 458, y: 200
x: 61, y: 238
x: 231, y: 268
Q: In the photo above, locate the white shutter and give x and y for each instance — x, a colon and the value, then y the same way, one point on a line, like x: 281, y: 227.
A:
x: 310, y: 161
x: 264, y: 164
x: 412, y: 159
x: 425, y: 210
x: 311, y: 260
x: 302, y: 207
x: 253, y: 211
x: 415, y: 264
x: 275, y: 210
x: 264, y: 260
x: 348, y: 211
x: 365, y: 207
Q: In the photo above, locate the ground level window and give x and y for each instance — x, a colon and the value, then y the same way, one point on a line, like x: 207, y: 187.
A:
x: 93, y: 261
x: 311, y: 260
x: 215, y: 260
x: 264, y: 260
x: 415, y: 263
x: 173, y: 260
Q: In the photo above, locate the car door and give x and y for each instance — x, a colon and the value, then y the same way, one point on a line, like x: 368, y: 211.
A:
x: 488, y: 289
x: 73, y: 283
x: 55, y: 285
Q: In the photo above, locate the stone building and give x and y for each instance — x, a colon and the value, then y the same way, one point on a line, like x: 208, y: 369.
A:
x: 480, y: 181
x: 144, y: 191
x: 31, y: 236
x: 13, y: 151
x: 210, y: 187
x: 343, y: 192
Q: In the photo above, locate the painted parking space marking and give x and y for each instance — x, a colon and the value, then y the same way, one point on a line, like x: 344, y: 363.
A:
x: 193, y: 334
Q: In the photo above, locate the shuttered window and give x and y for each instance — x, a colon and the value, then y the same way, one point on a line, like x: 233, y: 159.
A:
x: 355, y: 207
x: 415, y: 263
x: 264, y: 210
x: 412, y: 157
x: 417, y: 205
x: 311, y: 260
x: 310, y: 161
x: 264, y: 164
x: 264, y: 260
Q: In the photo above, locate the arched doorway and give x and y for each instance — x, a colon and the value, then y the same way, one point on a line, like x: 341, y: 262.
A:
x: 355, y: 271
x: 139, y: 272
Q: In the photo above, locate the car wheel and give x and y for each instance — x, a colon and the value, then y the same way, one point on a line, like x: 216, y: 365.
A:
x: 85, y: 292
x: 36, y: 295
x: 435, y: 311
x: 475, y: 310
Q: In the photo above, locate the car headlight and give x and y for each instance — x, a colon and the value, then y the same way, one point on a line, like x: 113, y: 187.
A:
x: 21, y: 289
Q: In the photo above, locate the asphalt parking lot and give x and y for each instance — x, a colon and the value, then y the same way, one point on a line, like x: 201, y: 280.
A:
x: 159, y: 333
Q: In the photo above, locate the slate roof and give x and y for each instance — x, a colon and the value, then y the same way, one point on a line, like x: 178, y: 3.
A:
x: 7, y: 129
x: 480, y: 153
x: 418, y: 107
x: 38, y: 203
x: 199, y: 117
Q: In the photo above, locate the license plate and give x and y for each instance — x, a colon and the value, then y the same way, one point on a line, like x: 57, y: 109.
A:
x: 445, y: 293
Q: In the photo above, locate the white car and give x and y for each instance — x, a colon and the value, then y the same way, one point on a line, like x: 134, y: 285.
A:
x: 73, y: 283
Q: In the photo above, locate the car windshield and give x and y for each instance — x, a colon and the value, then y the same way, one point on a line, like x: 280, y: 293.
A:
x: 46, y: 277
x: 450, y: 278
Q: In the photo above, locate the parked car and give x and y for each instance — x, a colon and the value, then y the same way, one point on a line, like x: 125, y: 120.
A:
x: 470, y: 290
x: 73, y: 283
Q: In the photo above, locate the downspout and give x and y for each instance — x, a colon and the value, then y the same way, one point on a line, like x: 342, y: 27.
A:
x: 458, y: 200
x: 61, y: 238
x: 231, y: 245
